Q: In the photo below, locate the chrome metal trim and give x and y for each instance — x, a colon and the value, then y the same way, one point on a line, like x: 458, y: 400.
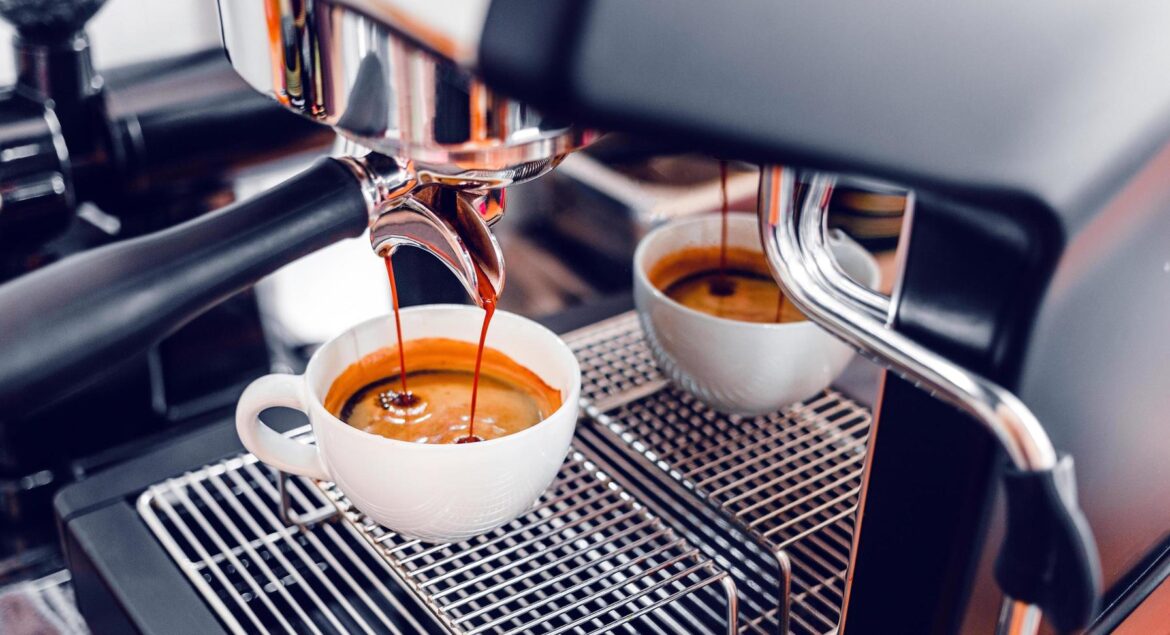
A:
x: 815, y: 247
x: 406, y: 209
x: 346, y: 64
x: 797, y: 260
x: 785, y: 245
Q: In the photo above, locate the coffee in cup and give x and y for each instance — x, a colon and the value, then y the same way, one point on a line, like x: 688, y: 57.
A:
x: 734, y: 365
x: 367, y: 395
x: 437, y: 492
x: 728, y: 282
x: 725, y: 281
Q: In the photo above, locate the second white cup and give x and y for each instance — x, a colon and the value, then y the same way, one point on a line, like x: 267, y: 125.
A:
x: 738, y: 367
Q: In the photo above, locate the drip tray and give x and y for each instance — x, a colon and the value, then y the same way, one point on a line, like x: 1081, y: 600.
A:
x: 666, y: 518
x: 789, y: 480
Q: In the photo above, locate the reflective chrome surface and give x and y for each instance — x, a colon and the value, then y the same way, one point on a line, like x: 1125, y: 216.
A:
x: 340, y: 62
x: 792, y: 244
x: 789, y: 253
x: 407, y: 208
x: 450, y: 27
x: 816, y: 249
x: 446, y: 224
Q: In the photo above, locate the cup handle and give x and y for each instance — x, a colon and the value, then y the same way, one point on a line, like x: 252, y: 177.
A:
x: 271, y: 447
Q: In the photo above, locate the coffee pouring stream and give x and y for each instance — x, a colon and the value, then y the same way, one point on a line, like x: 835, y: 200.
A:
x: 452, y: 225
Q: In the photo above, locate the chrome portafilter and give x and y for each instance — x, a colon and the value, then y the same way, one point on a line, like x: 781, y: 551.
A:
x: 437, y: 127
x: 443, y: 148
x: 330, y: 61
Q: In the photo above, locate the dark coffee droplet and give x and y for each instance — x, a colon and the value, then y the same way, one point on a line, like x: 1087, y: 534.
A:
x: 721, y: 286
x: 471, y: 438
x: 394, y: 399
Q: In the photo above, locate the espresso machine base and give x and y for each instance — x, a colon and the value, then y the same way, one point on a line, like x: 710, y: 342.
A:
x: 650, y: 527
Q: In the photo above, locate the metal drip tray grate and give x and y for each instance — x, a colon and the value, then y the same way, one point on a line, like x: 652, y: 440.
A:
x: 222, y: 525
x: 593, y: 555
x: 588, y: 558
x: 790, y: 479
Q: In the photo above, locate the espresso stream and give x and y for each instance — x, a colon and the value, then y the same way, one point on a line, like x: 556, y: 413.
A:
x: 439, y: 400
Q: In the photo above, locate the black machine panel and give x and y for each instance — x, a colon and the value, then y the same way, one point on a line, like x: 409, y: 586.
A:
x: 1097, y: 372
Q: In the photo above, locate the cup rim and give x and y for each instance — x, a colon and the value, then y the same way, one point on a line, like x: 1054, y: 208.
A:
x: 569, y: 402
x: 733, y: 216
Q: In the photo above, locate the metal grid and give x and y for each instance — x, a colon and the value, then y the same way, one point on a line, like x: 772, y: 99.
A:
x: 221, y: 525
x: 587, y: 558
x: 790, y: 479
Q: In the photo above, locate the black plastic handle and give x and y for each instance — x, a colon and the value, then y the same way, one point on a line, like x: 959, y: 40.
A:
x: 1049, y: 557
x: 63, y: 326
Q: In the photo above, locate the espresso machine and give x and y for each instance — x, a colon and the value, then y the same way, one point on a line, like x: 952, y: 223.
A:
x: 1022, y: 336
x: 88, y: 158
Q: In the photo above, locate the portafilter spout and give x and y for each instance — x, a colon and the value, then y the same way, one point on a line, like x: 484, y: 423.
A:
x: 446, y: 220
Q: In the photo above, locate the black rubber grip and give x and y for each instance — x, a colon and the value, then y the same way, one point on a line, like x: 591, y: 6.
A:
x: 1049, y: 557
x: 62, y: 327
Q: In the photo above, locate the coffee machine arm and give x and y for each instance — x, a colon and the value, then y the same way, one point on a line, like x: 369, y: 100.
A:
x: 1049, y: 559
x: 63, y: 326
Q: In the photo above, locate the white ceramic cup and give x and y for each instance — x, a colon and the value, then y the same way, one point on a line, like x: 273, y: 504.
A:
x: 738, y: 367
x: 434, y: 492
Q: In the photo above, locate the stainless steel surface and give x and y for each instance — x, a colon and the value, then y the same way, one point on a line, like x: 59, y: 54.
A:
x: 788, y: 252
x: 814, y: 228
x: 587, y: 558
x: 450, y: 27
x: 342, y: 63
x: 431, y: 125
x: 221, y: 525
x: 450, y: 224
x: 592, y: 555
x: 789, y: 480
